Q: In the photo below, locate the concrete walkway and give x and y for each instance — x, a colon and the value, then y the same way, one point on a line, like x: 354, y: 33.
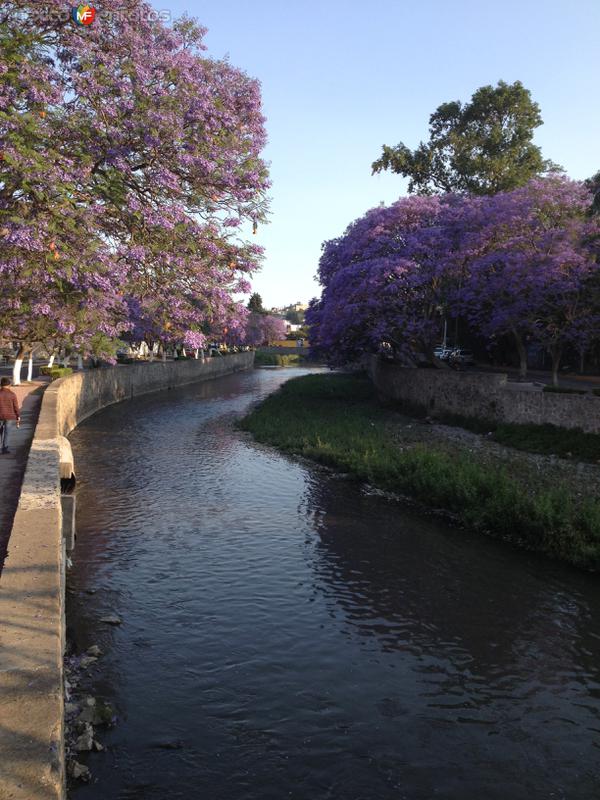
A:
x: 12, y: 465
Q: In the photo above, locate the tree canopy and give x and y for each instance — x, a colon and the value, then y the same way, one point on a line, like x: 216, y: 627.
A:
x: 593, y: 185
x: 521, y: 264
x: 294, y: 317
x: 481, y: 147
x: 255, y: 303
x: 262, y: 328
x: 129, y: 161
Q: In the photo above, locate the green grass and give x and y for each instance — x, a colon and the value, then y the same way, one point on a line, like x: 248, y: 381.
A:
x: 550, y: 440
x: 547, y: 439
x: 276, y: 360
x: 56, y: 372
x: 336, y: 420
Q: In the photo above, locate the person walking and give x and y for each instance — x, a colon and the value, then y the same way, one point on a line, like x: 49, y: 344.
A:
x: 9, y: 412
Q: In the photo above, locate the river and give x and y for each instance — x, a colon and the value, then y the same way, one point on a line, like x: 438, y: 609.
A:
x: 289, y: 634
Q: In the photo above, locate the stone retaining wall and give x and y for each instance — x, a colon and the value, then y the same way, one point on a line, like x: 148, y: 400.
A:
x: 32, y: 581
x: 485, y: 396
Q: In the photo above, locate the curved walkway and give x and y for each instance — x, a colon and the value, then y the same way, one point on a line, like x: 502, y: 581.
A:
x: 12, y: 465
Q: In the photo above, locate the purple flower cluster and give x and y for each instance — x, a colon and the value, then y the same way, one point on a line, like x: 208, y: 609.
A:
x: 263, y: 328
x: 522, y: 263
x: 128, y: 161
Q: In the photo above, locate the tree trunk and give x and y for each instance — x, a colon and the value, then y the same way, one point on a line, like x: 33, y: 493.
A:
x: 30, y: 367
x: 522, y: 351
x: 16, y: 379
x: 196, y: 354
x: 51, y: 360
x: 79, y: 362
x: 556, y: 354
x: 202, y: 356
x: 581, y: 362
x: 66, y: 359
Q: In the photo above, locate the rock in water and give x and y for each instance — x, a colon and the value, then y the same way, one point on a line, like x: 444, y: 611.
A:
x: 169, y: 744
x: 94, y: 650
x: 86, y: 740
x: 79, y: 771
x: 88, y: 715
x: 111, y: 619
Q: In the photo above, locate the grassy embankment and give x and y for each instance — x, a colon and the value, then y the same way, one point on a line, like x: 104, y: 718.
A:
x: 336, y: 420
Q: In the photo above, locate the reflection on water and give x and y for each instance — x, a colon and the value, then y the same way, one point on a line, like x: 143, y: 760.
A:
x: 301, y: 638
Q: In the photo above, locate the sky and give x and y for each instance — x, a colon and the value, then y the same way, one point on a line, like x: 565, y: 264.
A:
x: 340, y: 79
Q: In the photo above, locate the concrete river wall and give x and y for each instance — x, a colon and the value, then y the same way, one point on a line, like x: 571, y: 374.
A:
x: 485, y: 396
x: 32, y: 625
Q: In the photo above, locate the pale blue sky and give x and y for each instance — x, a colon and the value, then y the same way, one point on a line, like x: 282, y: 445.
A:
x: 340, y: 79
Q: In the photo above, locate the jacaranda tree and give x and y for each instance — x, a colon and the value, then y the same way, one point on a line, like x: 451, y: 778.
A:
x: 375, y: 286
x: 129, y: 161
x: 536, y: 265
x: 263, y: 329
x: 521, y: 263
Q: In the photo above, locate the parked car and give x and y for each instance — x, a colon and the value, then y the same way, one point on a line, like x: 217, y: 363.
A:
x: 443, y: 353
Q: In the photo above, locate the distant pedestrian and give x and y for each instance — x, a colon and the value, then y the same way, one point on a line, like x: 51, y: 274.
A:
x: 9, y: 412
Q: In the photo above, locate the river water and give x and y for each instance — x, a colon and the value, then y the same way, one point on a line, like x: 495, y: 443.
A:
x: 287, y: 634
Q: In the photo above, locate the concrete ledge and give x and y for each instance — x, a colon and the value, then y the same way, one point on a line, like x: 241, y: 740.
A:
x: 32, y: 640
x: 66, y: 465
x: 32, y: 621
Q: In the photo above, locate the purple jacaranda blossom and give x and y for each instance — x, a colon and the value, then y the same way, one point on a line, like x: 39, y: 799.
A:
x: 522, y: 263
x: 263, y: 328
x: 128, y: 158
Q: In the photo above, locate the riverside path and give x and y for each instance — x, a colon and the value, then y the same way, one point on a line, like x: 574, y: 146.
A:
x: 12, y: 465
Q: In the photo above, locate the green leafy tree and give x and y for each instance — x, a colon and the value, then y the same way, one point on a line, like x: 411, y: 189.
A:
x: 593, y: 185
x: 294, y: 317
x: 480, y: 148
x: 255, y: 304
x: 301, y: 333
